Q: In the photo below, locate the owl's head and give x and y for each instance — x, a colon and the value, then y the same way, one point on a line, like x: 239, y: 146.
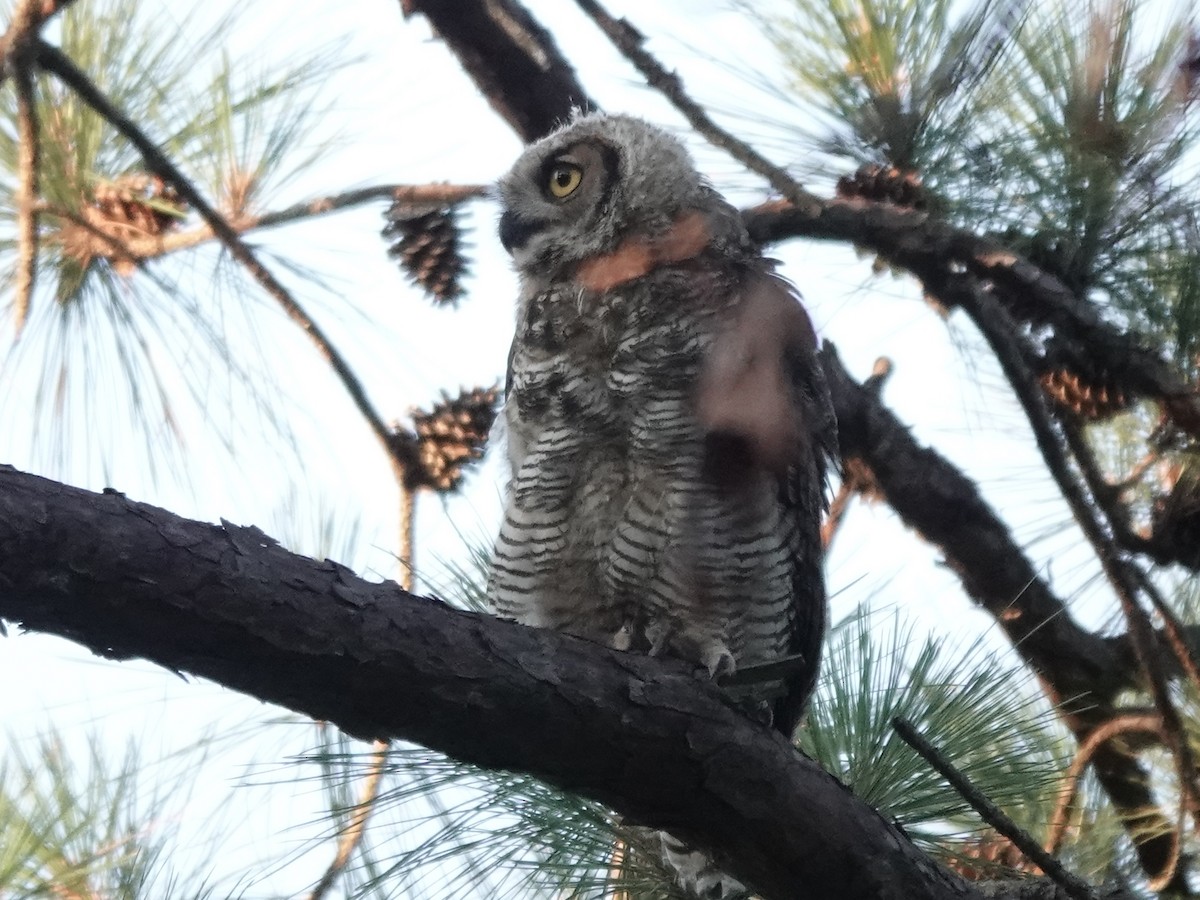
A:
x: 598, y: 179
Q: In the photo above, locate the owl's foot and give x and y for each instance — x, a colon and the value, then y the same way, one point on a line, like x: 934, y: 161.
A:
x: 622, y: 638
x: 717, y: 659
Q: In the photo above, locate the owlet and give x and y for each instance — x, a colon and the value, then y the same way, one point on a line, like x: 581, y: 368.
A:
x: 668, y: 421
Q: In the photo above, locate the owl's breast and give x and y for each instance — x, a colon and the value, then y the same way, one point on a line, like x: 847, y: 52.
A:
x: 621, y: 366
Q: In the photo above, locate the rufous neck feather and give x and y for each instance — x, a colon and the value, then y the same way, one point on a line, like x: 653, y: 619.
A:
x: 639, y: 255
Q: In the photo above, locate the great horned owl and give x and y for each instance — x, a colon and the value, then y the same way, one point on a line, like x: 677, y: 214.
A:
x: 668, y: 421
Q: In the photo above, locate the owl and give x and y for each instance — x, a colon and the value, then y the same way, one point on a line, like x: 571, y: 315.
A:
x: 668, y: 422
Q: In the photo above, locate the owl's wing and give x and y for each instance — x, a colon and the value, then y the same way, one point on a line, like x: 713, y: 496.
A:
x: 761, y: 382
x: 762, y: 389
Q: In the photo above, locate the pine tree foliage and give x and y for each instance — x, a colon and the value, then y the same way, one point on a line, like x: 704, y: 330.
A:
x: 474, y: 833
x: 116, y: 323
x: 84, y: 826
x: 1065, y: 134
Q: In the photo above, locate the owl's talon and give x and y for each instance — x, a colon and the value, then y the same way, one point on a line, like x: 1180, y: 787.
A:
x: 719, y: 662
x: 622, y: 638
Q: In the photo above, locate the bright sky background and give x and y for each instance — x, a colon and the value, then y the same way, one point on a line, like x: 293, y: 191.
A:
x: 406, y: 113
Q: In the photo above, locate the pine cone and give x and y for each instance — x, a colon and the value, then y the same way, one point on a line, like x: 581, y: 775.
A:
x: 427, y: 242
x: 139, y: 201
x: 884, y: 184
x: 447, y: 438
x: 1091, y: 400
x: 119, y: 213
x: 989, y: 855
x: 1074, y: 381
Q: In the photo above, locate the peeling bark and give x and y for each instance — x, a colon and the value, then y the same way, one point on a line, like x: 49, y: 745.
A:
x: 644, y: 736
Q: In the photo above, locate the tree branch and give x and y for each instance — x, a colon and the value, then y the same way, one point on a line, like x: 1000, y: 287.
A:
x: 630, y: 41
x: 992, y: 814
x: 61, y: 66
x: 1081, y: 671
x: 642, y: 735
x: 1002, y: 335
x: 150, y: 246
x: 18, y: 41
x: 511, y: 58
x: 930, y: 249
x: 27, y: 192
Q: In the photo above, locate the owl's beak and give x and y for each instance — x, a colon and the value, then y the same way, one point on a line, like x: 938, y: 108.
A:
x: 515, y: 232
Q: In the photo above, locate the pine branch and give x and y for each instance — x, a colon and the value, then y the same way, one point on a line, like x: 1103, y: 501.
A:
x: 931, y: 249
x: 992, y: 814
x: 27, y: 193
x: 512, y: 59
x: 18, y: 48
x: 1001, y: 334
x: 630, y: 42
x: 19, y: 40
x: 1081, y: 671
x: 644, y: 736
x: 57, y: 63
x: 151, y: 246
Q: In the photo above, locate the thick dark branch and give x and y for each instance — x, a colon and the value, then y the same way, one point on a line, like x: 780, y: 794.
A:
x: 938, y: 501
x: 644, y: 736
x: 930, y: 249
x: 511, y: 58
x: 1081, y: 671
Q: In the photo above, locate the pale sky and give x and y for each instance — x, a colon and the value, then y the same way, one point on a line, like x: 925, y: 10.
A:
x: 407, y: 113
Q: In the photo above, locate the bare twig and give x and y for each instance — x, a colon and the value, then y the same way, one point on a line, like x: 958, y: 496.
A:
x: 27, y: 192
x: 357, y: 826
x: 1002, y: 335
x: 837, y: 512
x: 631, y: 42
x: 408, y: 514
x: 448, y: 194
x: 149, y: 246
x: 19, y: 39
x: 56, y: 62
x: 993, y: 815
x: 1122, y: 724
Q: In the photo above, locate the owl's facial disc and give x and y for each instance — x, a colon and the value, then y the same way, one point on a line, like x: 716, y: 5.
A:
x: 568, y: 185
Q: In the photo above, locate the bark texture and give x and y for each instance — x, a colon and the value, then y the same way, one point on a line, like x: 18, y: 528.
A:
x: 511, y: 58
x: 645, y: 736
x: 1081, y: 671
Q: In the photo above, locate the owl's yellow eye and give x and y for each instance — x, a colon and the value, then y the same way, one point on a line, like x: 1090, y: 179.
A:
x: 564, y: 180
